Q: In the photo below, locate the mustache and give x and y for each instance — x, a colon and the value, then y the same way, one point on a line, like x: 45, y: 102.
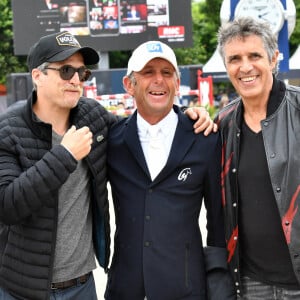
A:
x: 72, y: 88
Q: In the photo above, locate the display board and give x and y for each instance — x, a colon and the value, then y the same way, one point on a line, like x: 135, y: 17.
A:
x: 105, y: 25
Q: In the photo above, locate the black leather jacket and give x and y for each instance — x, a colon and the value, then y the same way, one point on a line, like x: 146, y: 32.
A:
x: 281, y: 136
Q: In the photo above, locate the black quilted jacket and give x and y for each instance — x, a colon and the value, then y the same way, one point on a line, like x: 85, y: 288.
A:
x: 31, y: 172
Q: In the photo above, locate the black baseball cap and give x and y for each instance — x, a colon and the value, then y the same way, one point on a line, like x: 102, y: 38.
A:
x: 57, y: 47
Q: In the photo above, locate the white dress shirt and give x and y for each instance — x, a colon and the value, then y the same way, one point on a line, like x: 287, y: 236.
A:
x: 167, y: 127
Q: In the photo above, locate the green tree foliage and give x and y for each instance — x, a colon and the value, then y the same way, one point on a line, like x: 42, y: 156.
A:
x: 295, y: 37
x: 205, y: 26
x: 8, y: 62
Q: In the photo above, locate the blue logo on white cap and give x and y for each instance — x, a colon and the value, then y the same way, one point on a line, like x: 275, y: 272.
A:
x: 154, y: 47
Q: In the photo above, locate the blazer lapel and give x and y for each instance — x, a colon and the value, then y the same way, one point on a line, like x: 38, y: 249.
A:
x: 183, y: 140
x: 132, y: 141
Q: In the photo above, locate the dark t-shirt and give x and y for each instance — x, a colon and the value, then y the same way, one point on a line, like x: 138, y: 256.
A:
x: 264, y: 251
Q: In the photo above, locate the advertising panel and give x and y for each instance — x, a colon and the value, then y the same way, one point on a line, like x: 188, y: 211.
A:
x: 105, y: 25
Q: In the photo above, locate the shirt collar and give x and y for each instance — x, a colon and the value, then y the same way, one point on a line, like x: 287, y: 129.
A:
x: 168, y: 122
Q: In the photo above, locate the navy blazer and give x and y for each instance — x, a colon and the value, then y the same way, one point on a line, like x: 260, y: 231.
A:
x: 158, y: 245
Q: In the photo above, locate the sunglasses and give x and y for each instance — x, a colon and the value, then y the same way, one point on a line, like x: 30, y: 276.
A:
x: 66, y: 72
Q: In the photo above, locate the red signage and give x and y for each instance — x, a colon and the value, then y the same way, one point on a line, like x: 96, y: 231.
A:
x: 170, y: 31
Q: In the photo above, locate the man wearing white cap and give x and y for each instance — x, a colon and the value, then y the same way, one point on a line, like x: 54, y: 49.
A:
x: 54, y: 213
x: 158, y: 251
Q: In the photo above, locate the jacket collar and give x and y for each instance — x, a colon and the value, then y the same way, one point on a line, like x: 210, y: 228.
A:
x: 40, y: 128
x: 183, y: 139
x: 78, y: 115
x: 276, y: 96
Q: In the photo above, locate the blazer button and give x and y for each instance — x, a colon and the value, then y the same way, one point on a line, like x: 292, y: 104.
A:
x: 147, y: 244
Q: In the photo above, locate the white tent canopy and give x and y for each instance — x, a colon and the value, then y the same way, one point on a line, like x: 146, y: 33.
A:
x: 295, y: 60
x: 215, y: 64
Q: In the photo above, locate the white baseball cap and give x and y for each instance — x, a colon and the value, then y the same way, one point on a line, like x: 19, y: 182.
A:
x: 148, y: 51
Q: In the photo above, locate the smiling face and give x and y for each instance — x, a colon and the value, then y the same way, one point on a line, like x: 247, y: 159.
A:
x: 249, y: 68
x: 154, y: 89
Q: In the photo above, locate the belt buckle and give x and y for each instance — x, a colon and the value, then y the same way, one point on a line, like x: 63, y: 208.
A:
x: 53, y: 287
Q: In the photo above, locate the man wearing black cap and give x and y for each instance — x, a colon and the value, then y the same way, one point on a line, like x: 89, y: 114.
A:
x: 53, y: 197
x: 54, y: 209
